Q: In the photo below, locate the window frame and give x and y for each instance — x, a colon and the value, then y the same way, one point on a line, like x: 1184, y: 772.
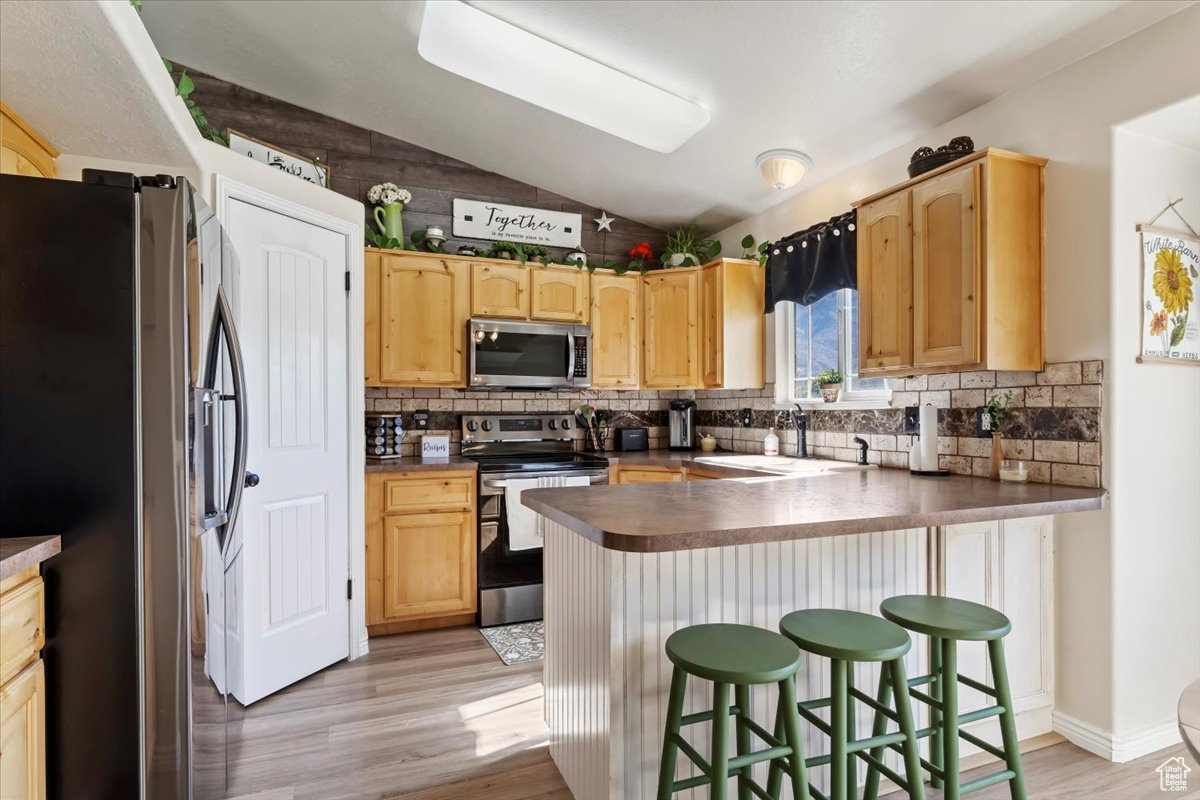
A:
x: 785, y: 364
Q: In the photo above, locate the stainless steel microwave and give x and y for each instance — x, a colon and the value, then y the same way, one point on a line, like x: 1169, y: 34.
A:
x: 528, y: 355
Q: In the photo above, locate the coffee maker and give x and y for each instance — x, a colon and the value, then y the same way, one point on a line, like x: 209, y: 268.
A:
x: 681, y: 419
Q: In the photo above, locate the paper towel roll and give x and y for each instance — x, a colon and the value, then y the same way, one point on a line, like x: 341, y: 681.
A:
x: 929, y: 437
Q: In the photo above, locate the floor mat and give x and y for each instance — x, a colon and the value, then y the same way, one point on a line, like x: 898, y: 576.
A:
x: 517, y: 644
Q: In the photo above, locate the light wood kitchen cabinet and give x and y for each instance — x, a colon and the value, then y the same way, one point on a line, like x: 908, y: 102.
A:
x: 24, y: 151
x: 22, y: 687
x: 559, y: 294
x: 970, y: 265
x: 731, y: 325
x: 416, y: 313
x: 671, y: 329
x: 885, y: 282
x: 616, y: 340
x: 421, y: 550
x: 645, y: 474
x: 500, y: 290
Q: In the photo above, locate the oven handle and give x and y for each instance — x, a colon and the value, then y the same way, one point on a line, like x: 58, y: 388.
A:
x: 501, y: 481
x: 570, y: 359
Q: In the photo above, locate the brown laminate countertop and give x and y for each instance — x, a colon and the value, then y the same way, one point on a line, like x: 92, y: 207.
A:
x: 407, y: 464
x: 25, y: 552
x: 662, y: 517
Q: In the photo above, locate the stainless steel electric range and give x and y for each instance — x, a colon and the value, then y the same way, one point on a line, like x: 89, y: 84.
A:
x: 516, y: 452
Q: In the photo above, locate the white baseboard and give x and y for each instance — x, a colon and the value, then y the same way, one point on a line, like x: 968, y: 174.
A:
x: 1114, y: 748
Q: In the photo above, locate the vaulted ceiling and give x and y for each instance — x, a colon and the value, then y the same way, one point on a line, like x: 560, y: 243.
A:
x: 842, y: 81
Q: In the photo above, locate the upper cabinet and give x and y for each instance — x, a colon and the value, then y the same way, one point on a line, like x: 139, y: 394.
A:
x: 671, y: 329
x: 950, y: 269
x: 500, y: 290
x: 24, y: 151
x: 616, y: 340
x: 559, y: 294
x: 416, y: 319
x: 732, y: 348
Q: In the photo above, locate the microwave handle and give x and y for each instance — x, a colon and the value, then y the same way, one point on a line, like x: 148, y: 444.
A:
x: 570, y: 358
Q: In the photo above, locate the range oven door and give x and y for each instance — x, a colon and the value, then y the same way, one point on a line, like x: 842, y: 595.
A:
x: 528, y: 355
x: 510, y: 580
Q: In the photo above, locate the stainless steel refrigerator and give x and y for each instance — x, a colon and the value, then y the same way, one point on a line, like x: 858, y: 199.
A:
x: 122, y: 429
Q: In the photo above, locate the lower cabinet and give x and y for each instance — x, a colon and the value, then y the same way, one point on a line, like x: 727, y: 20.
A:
x: 660, y: 474
x: 22, y: 688
x: 420, y: 550
x: 1008, y: 565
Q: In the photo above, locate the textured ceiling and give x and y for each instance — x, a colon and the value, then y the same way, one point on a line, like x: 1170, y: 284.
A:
x: 842, y: 81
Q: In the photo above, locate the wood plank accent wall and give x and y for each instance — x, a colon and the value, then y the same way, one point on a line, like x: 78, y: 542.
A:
x: 608, y: 615
x: 360, y: 158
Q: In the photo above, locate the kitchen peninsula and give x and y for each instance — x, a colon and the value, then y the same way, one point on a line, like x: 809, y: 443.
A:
x: 625, y: 566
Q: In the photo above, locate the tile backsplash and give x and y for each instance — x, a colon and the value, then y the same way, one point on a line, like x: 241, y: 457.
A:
x: 1055, y: 424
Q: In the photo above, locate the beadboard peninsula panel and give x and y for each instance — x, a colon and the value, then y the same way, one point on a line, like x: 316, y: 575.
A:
x: 608, y: 615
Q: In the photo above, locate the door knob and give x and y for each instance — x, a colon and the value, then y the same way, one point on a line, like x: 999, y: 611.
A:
x: 251, y: 480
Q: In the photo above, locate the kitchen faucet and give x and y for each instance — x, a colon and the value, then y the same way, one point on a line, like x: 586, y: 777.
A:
x: 800, y: 420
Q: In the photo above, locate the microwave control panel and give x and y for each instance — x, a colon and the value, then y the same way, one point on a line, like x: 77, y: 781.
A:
x: 581, y: 358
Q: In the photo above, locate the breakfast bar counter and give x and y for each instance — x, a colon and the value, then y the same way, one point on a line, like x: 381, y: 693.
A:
x: 627, y: 565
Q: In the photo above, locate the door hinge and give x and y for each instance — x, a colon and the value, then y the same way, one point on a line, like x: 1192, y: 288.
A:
x: 347, y: 280
x: 349, y: 588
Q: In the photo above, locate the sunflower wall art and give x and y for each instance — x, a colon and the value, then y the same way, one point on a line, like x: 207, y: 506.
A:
x: 1170, y: 291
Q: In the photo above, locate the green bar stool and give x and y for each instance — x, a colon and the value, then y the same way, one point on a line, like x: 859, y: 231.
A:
x: 846, y: 638
x: 740, y: 656
x: 947, y: 621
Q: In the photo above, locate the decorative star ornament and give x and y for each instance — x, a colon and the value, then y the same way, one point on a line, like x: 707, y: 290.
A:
x: 604, y: 222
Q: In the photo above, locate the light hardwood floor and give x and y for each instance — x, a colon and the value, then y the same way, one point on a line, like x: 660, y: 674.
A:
x: 437, y: 716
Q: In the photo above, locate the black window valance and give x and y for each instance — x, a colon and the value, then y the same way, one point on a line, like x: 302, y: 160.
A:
x: 813, y: 263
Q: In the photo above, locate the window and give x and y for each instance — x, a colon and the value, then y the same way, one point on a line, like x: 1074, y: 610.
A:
x: 812, y: 339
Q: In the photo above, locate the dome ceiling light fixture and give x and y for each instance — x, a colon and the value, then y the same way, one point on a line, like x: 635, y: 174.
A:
x: 783, y: 168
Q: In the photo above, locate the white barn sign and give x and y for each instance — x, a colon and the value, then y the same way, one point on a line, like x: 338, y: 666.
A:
x: 498, y: 222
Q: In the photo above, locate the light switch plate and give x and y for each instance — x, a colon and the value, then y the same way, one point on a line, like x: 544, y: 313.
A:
x: 747, y: 417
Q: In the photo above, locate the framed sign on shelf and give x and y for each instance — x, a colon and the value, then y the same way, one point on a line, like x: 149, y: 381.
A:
x: 257, y: 150
x: 1170, y: 307
x: 504, y: 223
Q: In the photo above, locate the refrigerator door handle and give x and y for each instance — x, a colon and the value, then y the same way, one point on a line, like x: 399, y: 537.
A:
x: 223, y: 326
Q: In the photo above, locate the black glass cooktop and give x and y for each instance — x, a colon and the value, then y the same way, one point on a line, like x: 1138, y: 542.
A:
x: 538, y: 462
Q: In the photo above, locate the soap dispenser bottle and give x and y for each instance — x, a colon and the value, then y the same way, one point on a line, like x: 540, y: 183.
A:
x: 771, y: 443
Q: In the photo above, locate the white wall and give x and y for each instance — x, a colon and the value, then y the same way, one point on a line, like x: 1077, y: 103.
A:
x: 1153, y: 450
x: 1067, y: 117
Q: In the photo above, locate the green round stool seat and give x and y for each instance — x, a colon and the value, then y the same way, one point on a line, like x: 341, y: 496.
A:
x: 946, y: 617
x: 845, y: 635
x: 725, y: 653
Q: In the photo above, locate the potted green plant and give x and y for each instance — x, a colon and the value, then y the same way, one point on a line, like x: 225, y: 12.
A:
x: 639, y: 255
x: 830, y: 382
x: 506, y: 250
x: 754, y: 251
x: 998, y: 410
x: 685, y: 248
x: 389, y: 201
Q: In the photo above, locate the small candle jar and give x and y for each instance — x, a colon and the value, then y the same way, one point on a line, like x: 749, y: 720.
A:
x: 1014, y: 470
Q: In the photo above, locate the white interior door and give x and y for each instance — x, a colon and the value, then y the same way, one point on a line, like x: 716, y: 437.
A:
x: 293, y: 567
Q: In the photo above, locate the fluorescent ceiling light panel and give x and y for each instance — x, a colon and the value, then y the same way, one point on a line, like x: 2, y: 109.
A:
x: 470, y: 43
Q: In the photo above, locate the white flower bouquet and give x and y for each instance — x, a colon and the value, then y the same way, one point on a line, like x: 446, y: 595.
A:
x: 383, y: 194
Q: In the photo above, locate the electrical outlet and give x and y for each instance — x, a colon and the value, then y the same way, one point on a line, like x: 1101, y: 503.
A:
x: 420, y: 420
x: 983, y: 422
x: 747, y: 417
x: 912, y: 420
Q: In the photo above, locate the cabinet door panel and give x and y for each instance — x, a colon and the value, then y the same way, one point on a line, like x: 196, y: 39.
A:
x: 616, y: 344
x: 23, y: 734
x: 670, y: 309
x: 559, y: 294
x: 500, y: 290
x: 422, y: 321
x: 1026, y: 582
x: 885, y: 283
x: 428, y: 564
x: 946, y: 268
x: 712, y: 326
x: 648, y: 475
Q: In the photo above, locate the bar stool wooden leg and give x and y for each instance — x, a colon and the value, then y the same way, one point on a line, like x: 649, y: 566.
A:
x: 912, y: 748
x: 720, y: 742
x: 884, y: 697
x: 666, y: 769
x: 791, y: 725
x: 851, y: 731
x: 936, y: 753
x: 837, y: 765
x: 1008, y: 720
x: 742, y: 698
x: 950, y: 718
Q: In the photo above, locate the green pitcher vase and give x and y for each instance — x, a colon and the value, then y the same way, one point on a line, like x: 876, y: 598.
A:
x: 389, y: 220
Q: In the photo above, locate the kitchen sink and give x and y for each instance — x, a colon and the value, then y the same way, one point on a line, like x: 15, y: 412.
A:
x: 782, y: 465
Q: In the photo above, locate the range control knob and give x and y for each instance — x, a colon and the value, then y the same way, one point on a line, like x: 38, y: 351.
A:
x: 472, y: 425
x: 487, y: 424
x: 566, y: 424
x: 553, y: 424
